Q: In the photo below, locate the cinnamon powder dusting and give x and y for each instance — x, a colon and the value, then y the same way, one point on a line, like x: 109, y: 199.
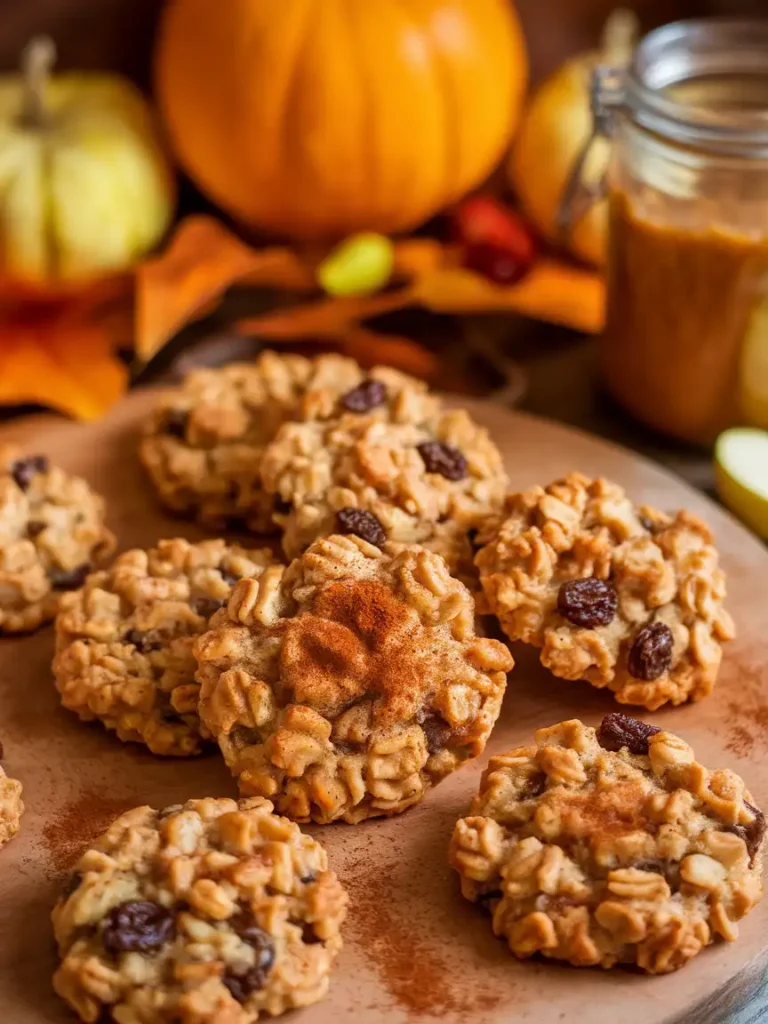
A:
x: 415, y: 972
x: 748, y: 716
x: 78, y: 824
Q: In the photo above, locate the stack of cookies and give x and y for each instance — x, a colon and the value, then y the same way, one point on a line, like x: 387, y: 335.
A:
x: 345, y: 677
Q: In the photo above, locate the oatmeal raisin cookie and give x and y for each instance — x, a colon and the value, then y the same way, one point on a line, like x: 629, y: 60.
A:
x: 346, y: 685
x: 625, y: 597
x: 11, y: 806
x: 211, y: 912
x: 610, y: 846
x: 203, y: 444
x: 430, y: 479
x: 52, y: 534
x: 124, y: 641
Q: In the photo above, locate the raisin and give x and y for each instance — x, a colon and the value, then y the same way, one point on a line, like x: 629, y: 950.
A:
x: 649, y: 524
x: 309, y: 878
x: 589, y: 602
x: 244, y: 925
x: 535, y: 785
x: 443, y: 459
x: 24, y: 471
x: 366, y: 396
x: 280, y: 505
x: 206, y: 606
x: 71, y: 885
x: 752, y: 834
x: 138, y: 926
x: 175, y: 423
x: 240, y: 986
x: 618, y: 730
x: 69, y: 579
x: 144, y: 642
x: 650, y: 655
x: 656, y: 866
x: 363, y: 524
x: 437, y: 732
x: 35, y: 527
x: 308, y: 935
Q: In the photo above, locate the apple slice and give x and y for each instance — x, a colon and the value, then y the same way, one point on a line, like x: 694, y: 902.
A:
x: 741, y: 474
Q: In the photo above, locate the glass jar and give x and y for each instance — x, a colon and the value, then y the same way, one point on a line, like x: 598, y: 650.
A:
x: 685, y: 347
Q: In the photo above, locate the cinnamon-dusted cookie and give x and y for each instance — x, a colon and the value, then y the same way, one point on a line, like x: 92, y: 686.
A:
x: 625, y: 597
x: 204, y: 442
x: 211, y: 912
x: 11, y: 805
x: 52, y: 534
x: 124, y: 641
x: 430, y: 479
x: 610, y: 846
x: 346, y: 685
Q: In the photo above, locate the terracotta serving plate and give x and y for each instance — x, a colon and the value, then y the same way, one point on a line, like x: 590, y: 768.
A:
x: 415, y: 951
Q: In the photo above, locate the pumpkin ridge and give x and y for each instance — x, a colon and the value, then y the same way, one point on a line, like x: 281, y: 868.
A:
x: 450, y: 120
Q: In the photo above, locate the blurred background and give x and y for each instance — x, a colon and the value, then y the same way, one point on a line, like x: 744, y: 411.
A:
x: 519, y: 326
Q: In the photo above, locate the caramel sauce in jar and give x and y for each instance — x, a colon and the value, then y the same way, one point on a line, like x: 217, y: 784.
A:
x: 685, y: 347
x: 684, y: 302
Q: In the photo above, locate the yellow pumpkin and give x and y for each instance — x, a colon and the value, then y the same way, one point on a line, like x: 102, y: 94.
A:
x: 554, y: 128
x: 85, y: 188
x: 316, y: 119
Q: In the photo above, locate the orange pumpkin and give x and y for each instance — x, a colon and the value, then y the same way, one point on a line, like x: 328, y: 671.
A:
x: 315, y: 119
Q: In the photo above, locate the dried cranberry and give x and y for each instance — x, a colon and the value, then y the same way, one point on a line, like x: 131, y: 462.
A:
x: 138, y: 926
x: 618, y: 730
x: 496, y: 263
x: 437, y: 732
x: 69, y: 579
x: 35, y: 527
x: 175, y: 423
x: 281, y: 506
x: 206, y: 606
x: 443, y: 459
x: 650, y: 655
x: 362, y: 524
x: 587, y: 602
x: 752, y: 834
x: 366, y: 396
x: 71, y: 885
x: 24, y: 471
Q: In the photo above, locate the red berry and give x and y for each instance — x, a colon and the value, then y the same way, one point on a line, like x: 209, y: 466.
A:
x: 494, y: 263
x: 497, y: 243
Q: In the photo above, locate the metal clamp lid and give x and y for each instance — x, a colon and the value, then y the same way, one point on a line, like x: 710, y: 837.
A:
x: 607, y: 95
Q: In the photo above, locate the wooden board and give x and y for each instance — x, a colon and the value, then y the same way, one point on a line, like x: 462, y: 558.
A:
x: 415, y: 951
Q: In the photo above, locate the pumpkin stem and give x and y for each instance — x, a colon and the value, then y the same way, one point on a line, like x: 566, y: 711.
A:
x: 37, y: 60
x: 619, y: 37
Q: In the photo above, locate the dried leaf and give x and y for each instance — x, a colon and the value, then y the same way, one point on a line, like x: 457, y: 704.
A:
x: 553, y: 291
x: 370, y: 348
x: 203, y: 260
x: 327, y: 319
x: 58, y: 345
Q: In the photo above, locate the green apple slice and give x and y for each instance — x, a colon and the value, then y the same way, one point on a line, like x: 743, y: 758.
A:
x: 741, y: 474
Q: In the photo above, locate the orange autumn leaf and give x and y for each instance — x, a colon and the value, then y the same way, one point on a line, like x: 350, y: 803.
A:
x: 325, y: 319
x: 61, y: 353
x: 553, y: 291
x: 372, y: 349
x: 187, y: 280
